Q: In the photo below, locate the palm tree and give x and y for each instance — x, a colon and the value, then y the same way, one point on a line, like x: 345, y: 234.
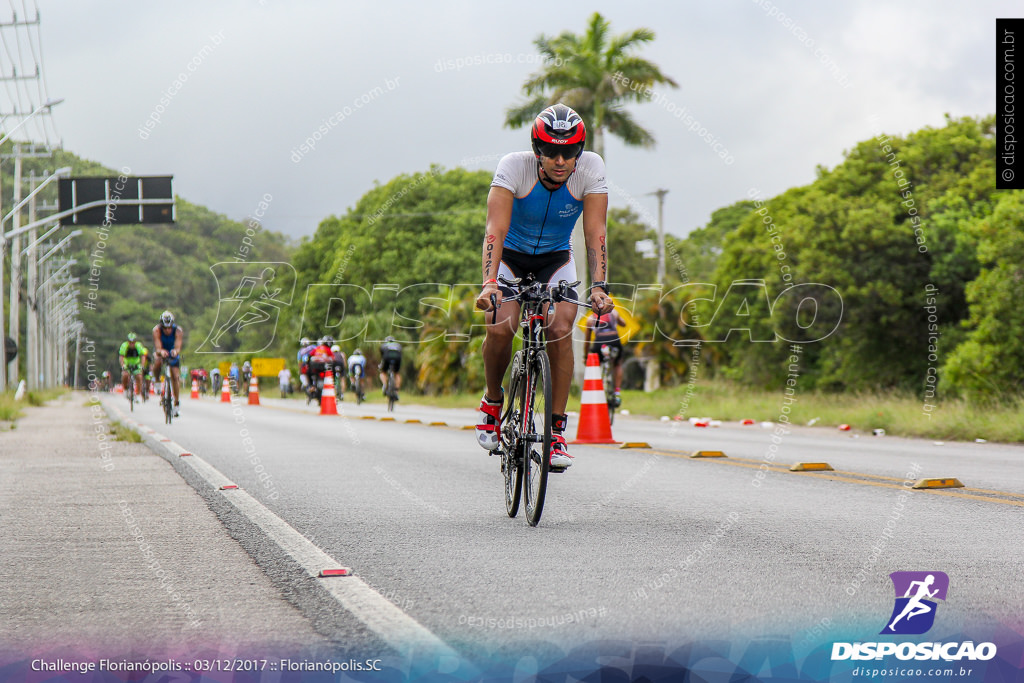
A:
x: 587, y: 73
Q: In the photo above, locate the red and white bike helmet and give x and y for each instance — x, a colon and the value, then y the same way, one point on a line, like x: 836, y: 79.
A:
x: 558, y: 128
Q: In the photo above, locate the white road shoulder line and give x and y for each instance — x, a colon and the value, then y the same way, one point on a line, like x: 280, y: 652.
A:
x: 399, y: 630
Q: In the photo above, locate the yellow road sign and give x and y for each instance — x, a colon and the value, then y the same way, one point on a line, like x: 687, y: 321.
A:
x: 267, y: 367
x: 628, y: 329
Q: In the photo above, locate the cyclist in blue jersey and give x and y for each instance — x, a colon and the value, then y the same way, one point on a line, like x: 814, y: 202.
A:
x: 167, y: 338
x: 534, y: 201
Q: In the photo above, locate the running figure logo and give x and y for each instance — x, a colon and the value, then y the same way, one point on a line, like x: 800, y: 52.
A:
x: 251, y: 296
x: 914, y: 612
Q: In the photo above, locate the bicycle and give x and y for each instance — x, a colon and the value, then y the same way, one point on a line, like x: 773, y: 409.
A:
x: 608, y: 356
x: 526, y: 421
x: 390, y: 391
x: 167, y: 393
x: 131, y: 388
x: 357, y: 383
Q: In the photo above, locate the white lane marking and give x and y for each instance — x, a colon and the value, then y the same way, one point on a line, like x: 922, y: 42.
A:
x: 399, y: 630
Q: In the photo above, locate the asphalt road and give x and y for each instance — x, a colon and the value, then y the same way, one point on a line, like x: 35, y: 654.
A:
x: 647, y: 546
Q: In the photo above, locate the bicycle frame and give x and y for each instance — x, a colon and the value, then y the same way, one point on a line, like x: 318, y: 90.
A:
x: 531, y: 378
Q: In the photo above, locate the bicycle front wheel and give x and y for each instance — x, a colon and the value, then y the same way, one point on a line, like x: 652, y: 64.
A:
x: 168, y: 401
x: 536, y: 435
x: 511, y: 443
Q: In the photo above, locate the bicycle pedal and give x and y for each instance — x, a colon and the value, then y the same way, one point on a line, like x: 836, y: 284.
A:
x: 556, y: 470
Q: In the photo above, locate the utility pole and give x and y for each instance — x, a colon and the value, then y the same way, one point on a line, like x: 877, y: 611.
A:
x: 31, y: 301
x: 660, y: 194
x: 652, y: 379
x: 20, y: 87
x: 15, y: 324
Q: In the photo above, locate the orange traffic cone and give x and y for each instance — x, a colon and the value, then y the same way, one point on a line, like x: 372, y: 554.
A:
x: 195, y: 388
x: 327, y: 403
x: 225, y: 392
x: 119, y: 389
x: 594, y: 426
x: 254, y: 392
x: 152, y: 388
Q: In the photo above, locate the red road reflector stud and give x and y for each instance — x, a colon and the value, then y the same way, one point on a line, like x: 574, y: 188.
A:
x: 811, y: 467
x: 943, y: 483
x: 228, y: 487
x: 844, y: 427
x: 182, y: 455
x: 746, y: 421
x: 339, y: 571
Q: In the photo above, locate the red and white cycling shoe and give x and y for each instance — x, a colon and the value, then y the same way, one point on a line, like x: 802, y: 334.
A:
x: 560, y: 458
x: 488, y: 428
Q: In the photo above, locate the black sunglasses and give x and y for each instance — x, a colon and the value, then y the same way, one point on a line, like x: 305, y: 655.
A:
x: 552, y: 151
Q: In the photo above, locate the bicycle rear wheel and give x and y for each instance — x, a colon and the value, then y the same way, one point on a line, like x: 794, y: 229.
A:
x: 391, y: 390
x: 131, y: 391
x: 608, y: 380
x: 168, y: 400
x: 511, y: 443
x: 536, y: 435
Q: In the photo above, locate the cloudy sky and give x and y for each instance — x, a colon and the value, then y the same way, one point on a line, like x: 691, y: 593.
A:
x: 781, y: 86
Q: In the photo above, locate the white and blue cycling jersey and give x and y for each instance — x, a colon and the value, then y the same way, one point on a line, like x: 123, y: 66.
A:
x: 354, y: 361
x: 543, y: 219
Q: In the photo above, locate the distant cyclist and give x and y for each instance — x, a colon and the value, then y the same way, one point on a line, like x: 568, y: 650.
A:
x: 390, y: 359
x: 320, y: 360
x: 603, y: 330
x: 305, y: 348
x: 131, y: 355
x: 200, y: 377
x: 233, y: 374
x: 340, y: 368
x: 246, y: 375
x: 356, y: 360
x: 167, y: 340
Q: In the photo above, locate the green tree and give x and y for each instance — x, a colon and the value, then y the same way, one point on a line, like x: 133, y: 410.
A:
x: 367, y: 272
x: 699, y: 251
x: 990, y: 363
x: 587, y: 72
x: 877, y: 229
x: 627, y: 265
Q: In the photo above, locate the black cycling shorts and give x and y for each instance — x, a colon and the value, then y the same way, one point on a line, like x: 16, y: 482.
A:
x: 543, y: 266
x: 616, y: 344
x: 392, y: 363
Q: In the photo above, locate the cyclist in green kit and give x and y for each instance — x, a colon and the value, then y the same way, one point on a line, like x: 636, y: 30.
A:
x: 131, y: 355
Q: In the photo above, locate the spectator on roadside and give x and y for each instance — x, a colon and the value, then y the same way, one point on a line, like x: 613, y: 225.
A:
x: 284, y: 378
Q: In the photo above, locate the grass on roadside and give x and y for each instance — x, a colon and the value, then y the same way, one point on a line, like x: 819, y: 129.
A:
x: 123, y: 433
x: 40, y: 397
x: 10, y: 410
